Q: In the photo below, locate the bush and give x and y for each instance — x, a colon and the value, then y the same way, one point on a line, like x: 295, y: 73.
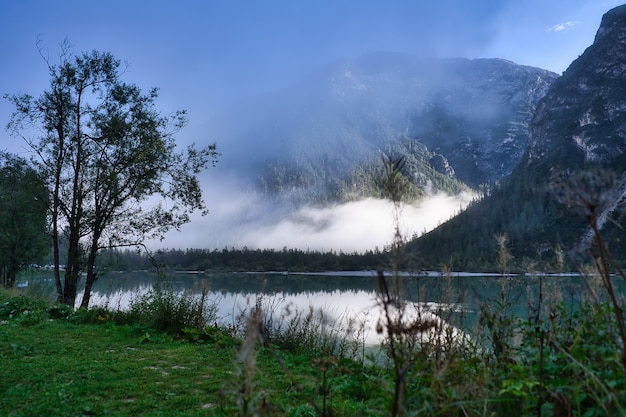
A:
x: 171, y: 312
x: 60, y: 311
x: 20, y: 305
x: 96, y: 315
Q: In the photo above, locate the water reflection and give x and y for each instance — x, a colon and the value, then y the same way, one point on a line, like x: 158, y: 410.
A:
x: 345, y: 297
x: 340, y: 299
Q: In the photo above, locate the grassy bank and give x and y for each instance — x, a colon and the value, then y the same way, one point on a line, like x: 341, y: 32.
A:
x: 161, y: 359
x: 89, y: 364
x: 62, y: 369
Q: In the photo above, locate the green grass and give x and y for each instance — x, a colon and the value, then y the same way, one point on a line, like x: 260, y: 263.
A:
x: 56, y: 362
x: 61, y: 368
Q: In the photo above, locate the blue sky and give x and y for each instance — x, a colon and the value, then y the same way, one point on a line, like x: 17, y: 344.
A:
x: 205, y: 54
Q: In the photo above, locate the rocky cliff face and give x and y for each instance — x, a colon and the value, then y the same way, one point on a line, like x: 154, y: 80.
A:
x: 581, y: 122
x: 583, y: 117
x: 479, y: 120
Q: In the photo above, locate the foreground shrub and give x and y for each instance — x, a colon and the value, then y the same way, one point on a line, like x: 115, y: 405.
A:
x: 284, y: 325
x: 578, y: 371
x: 172, y: 311
x: 20, y: 305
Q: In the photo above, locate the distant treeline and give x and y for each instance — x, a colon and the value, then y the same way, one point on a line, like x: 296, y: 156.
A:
x: 231, y: 259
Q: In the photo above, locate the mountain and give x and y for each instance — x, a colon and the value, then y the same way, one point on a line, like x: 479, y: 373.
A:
x: 479, y: 119
x: 458, y: 123
x: 574, y: 163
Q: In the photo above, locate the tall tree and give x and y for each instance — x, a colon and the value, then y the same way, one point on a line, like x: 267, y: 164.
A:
x: 116, y: 176
x: 23, y: 222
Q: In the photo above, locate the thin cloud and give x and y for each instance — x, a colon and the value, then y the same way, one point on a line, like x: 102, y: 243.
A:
x: 563, y: 26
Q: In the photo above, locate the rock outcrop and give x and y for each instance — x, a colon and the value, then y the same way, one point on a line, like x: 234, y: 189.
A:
x: 582, y: 119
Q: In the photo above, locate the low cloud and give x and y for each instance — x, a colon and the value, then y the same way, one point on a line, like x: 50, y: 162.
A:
x: 241, y: 218
x: 563, y: 26
x: 355, y: 226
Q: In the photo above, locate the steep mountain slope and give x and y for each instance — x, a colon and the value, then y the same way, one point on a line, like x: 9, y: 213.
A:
x: 580, y: 125
x: 481, y: 125
x: 457, y: 122
x: 585, y: 112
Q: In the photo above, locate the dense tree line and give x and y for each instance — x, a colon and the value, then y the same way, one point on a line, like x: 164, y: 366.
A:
x: 232, y: 259
x: 24, y: 202
x: 538, y: 228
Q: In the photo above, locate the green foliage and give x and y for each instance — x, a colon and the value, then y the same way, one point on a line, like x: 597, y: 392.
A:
x: 19, y: 306
x: 97, y: 315
x: 498, y: 322
x: 260, y: 260
x: 210, y: 334
x: 170, y: 311
x: 579, y: 367
x: 60, y: 311
x: 23, y: 224
x: 104, y: 149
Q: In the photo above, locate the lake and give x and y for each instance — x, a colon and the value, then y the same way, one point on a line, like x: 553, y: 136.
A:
x: 342, y: 296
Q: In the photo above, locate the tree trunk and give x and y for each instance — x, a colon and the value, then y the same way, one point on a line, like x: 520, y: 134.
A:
x: 70, y: 289
x: 56, y: 206
x: 11, y: 275
x: 91, y: 278
x: 399, y: 398
x: 75, y: 216
x: 8, y: 274
x: 56, y: 261
x: 4, y: 275
x: 72, y: 269
x: 91, y: 272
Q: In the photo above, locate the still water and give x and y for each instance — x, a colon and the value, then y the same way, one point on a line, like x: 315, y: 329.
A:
x: 345, y: 296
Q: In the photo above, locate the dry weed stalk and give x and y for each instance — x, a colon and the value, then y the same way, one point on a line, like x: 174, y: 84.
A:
x: 401, y: 332
x: 400, y: 336
x: 248, y: 406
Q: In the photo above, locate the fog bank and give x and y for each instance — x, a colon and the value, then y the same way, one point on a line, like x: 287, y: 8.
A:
x: 242, y: 218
